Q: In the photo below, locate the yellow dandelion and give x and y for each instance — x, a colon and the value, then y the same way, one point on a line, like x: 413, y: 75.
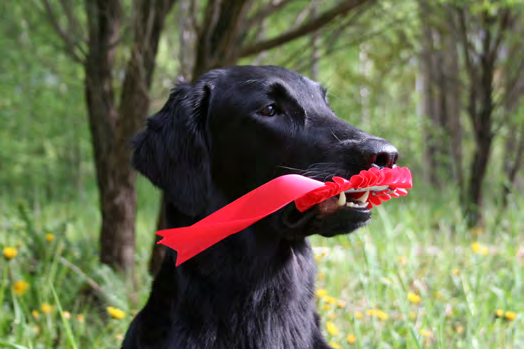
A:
x: 413, y: 298
x: 351, y: 339
x: 326, y: 307
x: 80, y: 318
x: 332, y: 328
x: 321, y: 276
x: 49, y: 237
x: 510, y: 315
x: 46, y: 308
x: 116, y: 313
x: 35, y: 314
x: 10, y: 252
x: 499, y: 313
x: 341, y: 304
x: 484, y: 251
x: 459, y: 329
x: 335, y: 345
x: 20, y: 287
x: 476, y: 247
x: 358, y: 315
x: 67, y: 315
x: 377, y: 313
x: 330, y: 300
x: 455, y: 272
x: 425, y: 333
x: 402, y: 260
x: 382, y: 315
x: 321, y: 293
x: 412, y: 315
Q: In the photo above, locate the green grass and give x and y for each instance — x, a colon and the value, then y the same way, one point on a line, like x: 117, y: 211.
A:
x: 416, y: 244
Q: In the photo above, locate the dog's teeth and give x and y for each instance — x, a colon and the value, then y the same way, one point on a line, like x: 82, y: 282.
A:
x: 341, y: 199
x: 351, y: 204
x: 363, y: 198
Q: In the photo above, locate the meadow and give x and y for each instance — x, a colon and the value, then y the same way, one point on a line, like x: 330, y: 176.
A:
x: 416, y: 277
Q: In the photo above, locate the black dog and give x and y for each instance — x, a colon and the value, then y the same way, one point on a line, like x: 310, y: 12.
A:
x: 213, y: 141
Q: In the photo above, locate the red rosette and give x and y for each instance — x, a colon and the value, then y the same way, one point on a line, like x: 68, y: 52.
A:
x: 383, y: 185
x: 397, y: 180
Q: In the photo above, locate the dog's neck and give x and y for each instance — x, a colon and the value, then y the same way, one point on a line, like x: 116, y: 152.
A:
x: 257, y: 259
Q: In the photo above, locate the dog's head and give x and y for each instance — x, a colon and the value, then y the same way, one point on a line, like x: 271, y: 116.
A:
x: 237, y: 128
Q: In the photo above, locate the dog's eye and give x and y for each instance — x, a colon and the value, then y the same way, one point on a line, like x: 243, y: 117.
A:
x: 269, y: 110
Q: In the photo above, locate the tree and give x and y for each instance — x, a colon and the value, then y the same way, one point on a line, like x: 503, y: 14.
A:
x: 116, y: 105
x: 483, y: 35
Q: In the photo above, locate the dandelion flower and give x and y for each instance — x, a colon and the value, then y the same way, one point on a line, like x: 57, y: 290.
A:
x: 341, y: 304
x: 116, y: 313
x: 10, y: 252
x: 425, y: 333
x: 412, y: 315
x: 402, y: 260
x: 413, y: 298
x: 49, y: 237
x: 358, y: 315
x: 321, y: 276
x: 351, y: 339
x: 326, y: 307
x: 476, y: 247
x: 80, y: 318
x: 499, y: 313
x: 382, y: 315
x: 67, y: 315
x: 330, y: 300
x: 459, y: 329
x: 484, y: 251
x: 20, y: 287
x: 332, y: 328
x: 510, y: 315
x: 455, y: 272
x: 377, y: 313
x: 46, y: 308
x: 321, y: 293
x: 335, y: 345
x: 35, y: 314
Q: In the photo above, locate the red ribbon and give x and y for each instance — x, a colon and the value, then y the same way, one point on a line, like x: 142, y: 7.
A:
x: 272, y: 196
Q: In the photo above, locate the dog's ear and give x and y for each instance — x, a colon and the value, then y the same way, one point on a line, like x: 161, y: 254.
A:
x: 172, y: 150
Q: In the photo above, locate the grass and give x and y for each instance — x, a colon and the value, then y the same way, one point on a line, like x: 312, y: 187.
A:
x: 414, y: 278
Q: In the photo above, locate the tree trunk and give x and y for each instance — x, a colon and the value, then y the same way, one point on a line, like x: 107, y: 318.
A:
x: 482, y: 127
x: 452, y: 93
x: 429, y: 102
x: 112, y: 127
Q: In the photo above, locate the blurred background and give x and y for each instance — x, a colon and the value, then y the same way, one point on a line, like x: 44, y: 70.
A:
x: 442, y: 80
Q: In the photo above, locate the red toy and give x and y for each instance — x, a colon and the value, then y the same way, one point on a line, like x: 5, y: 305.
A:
x: 376, y: 185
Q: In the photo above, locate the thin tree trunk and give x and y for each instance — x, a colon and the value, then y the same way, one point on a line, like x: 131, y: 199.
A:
x: 429, y: 103
x: 112, y: 127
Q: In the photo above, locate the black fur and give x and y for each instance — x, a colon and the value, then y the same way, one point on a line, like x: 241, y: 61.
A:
x: 211, y: 143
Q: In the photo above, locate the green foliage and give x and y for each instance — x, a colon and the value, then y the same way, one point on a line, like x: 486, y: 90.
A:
x: 418, y: 244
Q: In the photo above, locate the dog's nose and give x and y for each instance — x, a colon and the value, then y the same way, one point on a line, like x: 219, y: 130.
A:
x: 379, y: 153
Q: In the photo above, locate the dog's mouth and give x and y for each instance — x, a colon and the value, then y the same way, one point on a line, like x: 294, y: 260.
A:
x: 351, y: 206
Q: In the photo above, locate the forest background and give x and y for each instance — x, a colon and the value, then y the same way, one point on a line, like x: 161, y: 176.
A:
x: 441, y: 80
